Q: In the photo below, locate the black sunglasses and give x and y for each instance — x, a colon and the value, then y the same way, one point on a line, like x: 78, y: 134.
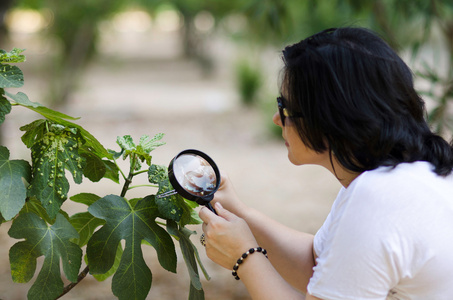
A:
x: 283, y: 111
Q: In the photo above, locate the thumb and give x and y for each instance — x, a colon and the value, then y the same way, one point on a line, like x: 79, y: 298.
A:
x: 222, y: 212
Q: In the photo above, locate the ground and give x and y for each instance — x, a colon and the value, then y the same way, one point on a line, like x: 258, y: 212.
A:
x: 141, y: 85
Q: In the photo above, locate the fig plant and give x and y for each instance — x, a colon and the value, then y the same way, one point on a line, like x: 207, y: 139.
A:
x: 32, y: 194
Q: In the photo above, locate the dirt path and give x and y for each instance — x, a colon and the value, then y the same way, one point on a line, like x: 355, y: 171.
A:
x: 146, y: 88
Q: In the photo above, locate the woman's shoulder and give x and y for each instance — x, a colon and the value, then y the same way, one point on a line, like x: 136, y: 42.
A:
x: 408, y: 187
x: 414, y: 176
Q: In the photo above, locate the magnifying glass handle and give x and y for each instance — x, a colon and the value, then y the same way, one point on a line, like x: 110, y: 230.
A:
x: 208, y: 205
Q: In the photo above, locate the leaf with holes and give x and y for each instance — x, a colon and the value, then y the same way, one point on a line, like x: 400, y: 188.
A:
x: 133, y: 278
x: 51, y: 241
x: 13, y: 191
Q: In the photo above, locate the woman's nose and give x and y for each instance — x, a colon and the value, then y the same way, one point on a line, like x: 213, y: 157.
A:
x: 276, y: 119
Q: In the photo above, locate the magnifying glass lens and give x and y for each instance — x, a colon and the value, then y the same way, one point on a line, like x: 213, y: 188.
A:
x: 195, y: 175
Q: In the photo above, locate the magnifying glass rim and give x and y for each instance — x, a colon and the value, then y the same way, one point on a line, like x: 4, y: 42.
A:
x: 184, y: 193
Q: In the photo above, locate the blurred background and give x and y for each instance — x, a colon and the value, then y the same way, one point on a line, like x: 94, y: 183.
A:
x: 205, y: 73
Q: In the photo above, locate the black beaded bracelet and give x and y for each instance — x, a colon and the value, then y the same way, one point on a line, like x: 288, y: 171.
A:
x: 244, y: 256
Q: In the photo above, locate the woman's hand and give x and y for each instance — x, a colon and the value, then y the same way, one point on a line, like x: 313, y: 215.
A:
x: 227, y: 236
x: 226, y: 195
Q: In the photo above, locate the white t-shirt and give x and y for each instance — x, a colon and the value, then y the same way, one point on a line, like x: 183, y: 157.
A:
x: 389, y: 235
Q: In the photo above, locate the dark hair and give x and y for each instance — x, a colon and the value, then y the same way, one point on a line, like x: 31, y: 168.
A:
x: 359, y: 103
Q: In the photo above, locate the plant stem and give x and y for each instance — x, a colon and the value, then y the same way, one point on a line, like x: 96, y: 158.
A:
x: 140, y: 172
x: 69, y: 287
x: 121, y: 171
x: 85, y: 271
x: 130, y: 176
x: 143, y: 185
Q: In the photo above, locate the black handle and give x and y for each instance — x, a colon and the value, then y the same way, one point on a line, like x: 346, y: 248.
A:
x: 208, y: 205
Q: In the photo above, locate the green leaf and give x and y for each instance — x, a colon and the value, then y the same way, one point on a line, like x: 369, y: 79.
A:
x: 195, y: 294
x: 10, y: 76
x: 22, y: 100
x: 85, y: 224
x: 55, y: 152
x: 157, y: 174
x: 127, y: 144
x: 170, y: 207
x: 85, y: 198
x: 174, y: 207
x: 146, y: 145
x: 133, y: 278
x: 102, y: 277
x: 112, y: 171
x: 142, y: 150
x: 95, y: 167
x: 34, y: 131
x: 190, y: 254
x: 14, y: 56
x: 34, y: 205
x: 13, y: 190
x: 51, y: 241
x: 91, y: 143
x: 5, y: 107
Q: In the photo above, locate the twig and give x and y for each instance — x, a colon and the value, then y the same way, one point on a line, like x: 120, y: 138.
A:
x: 69, y: 287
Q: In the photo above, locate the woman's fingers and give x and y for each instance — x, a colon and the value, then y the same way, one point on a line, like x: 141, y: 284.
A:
x: 206, y: 214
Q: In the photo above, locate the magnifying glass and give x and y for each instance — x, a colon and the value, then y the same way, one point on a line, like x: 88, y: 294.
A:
x: 194, y: 176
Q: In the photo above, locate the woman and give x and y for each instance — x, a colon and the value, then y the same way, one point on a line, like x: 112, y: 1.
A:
x: 348, y: 104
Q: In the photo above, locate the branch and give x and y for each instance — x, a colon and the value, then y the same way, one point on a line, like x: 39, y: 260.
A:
x: 85, y: 271
x: 69, y: 287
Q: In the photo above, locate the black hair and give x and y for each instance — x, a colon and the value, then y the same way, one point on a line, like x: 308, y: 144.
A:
x: 359, y: 102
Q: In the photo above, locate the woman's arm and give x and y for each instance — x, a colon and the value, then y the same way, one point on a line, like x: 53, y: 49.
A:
x: 289, y: 251
x: 227, y: 237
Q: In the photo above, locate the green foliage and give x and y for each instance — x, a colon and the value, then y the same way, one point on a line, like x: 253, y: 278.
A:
x: 140, y: 151
x: 134, y: 224
x: 249, y: 81
x: 56, y: 152
x: 33, y: 194
x: 50, y: 241
x: 12, y: 197
x: 190, y: 253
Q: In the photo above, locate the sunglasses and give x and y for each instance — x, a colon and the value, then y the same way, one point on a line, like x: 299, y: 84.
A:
x: 284, y: 112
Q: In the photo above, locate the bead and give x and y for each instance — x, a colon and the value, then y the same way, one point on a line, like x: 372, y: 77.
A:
x: 244, y: 256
